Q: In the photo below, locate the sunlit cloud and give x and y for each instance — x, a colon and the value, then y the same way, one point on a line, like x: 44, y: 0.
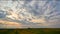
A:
x: 43, y: 13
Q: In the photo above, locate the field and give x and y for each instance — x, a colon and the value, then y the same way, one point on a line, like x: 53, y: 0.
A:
x: 31, y: 31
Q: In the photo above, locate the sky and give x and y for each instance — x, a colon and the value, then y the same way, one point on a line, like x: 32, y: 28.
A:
x: 29, y: 14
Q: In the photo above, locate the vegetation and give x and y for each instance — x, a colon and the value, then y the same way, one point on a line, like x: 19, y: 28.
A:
x: 31, y: 31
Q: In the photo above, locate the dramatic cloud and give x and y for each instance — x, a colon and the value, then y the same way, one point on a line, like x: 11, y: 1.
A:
x: 30, y: 13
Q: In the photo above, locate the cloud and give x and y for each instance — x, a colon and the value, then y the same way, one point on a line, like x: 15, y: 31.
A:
x: 33, y: 12
x: 9, y: 24
x: 2, y: 14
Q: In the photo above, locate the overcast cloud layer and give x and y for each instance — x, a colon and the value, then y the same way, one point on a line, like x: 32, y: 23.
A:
x: 29, y: 13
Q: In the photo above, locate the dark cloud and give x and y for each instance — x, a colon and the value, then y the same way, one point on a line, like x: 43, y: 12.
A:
x: 2, y: 14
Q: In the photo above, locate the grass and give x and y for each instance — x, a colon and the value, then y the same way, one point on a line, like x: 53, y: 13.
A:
x: 31, y: 31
